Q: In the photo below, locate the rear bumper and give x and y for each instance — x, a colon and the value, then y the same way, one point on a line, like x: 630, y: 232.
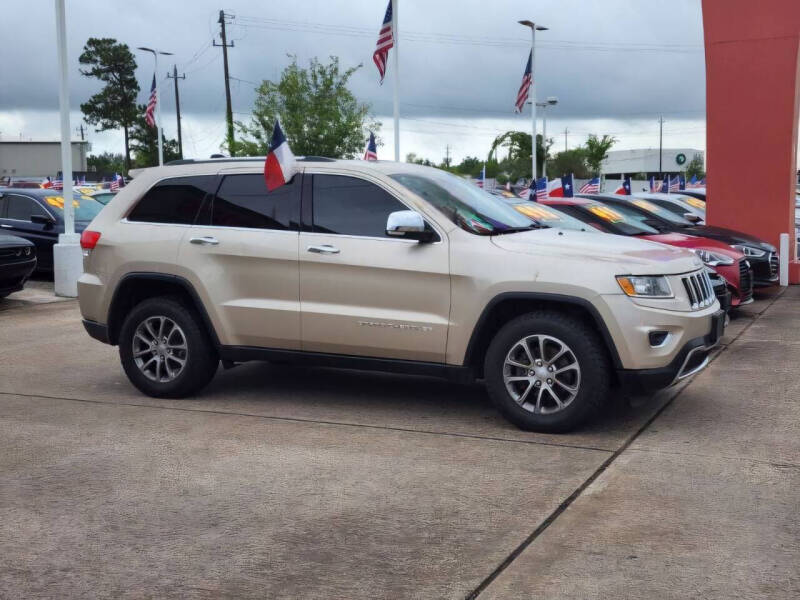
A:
x: 691, y: 359
x: 96, y: 330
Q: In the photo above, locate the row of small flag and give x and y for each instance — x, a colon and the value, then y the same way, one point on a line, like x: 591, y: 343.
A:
x: 676, y: 184
x: 58, y: 182
x: 563, y: 187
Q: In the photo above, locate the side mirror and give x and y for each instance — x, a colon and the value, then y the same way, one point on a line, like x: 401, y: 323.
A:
x: 43, y: 220
x: 410, y: 225
x: 692, y: 218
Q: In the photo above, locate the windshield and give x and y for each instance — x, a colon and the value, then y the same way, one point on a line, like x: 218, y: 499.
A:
x: 464, y: 203
x: 608, y: 219
x: 552, y: 217
x: 86, y: 208
x: 661, y: 212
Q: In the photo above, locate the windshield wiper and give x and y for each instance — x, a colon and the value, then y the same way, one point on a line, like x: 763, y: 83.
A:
x: 530, y: 227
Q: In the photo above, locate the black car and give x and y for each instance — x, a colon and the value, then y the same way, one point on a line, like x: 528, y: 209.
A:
x: 762, y: 256
x: 37, y: 215
x: 17, y: 262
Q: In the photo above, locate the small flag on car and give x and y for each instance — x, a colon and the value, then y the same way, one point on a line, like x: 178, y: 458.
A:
x: 371, y: 153
x: 591, y: 187
x: 625, y: 188
x: 568, y: 185
x: 279, y: 166
x: 541, y: 189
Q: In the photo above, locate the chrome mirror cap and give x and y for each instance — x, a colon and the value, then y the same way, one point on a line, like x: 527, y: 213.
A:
x: 404, y: 221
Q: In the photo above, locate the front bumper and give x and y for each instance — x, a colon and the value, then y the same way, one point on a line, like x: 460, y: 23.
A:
x: 765, y: 270
x: 14, y: 274
x: 692, y: 358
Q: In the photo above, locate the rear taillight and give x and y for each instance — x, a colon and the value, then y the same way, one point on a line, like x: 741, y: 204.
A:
x: 89, y: 239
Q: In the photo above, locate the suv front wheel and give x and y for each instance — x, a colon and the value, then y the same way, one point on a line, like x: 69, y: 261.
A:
x: 547, y: 371
x: 165, y: 350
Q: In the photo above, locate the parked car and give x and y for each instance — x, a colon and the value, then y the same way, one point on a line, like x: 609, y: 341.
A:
x: 102, y: 196
x: 624, y: 220
x: 401, y: 268
x: 699, y: 193
x: 17, y: 262
x: 762, y: 256
x: 37, y: 215
x: 687, y: 207
x: 546, y: 215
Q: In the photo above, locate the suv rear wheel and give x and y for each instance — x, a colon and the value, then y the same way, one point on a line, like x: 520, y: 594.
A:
x: 546, y: 371
x: 165, y: 350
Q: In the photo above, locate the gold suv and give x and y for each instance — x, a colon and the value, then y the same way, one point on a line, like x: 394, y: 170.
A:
x: 387, y: 266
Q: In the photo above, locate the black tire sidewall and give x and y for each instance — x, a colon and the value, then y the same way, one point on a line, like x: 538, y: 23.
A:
x: 588, y: 350
x: 202, y: 360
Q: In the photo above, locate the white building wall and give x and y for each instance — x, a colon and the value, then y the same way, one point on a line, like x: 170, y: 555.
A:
x: 37, y: 159
x: 645, y: 160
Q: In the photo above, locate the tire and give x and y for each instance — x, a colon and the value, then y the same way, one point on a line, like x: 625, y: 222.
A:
x: 169, y: 379
x: 567, y: 396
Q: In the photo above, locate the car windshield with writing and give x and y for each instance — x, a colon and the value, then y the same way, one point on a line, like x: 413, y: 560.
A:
x: 612, y: 220
x: 85, y: 208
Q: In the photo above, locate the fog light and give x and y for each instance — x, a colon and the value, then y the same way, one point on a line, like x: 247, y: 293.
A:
x: 657, y: 338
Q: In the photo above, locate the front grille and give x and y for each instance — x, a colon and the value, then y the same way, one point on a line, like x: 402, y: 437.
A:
x: 699, y: 289
x: 22, y: 253
x: 773, y: 265
x: 745, y: 281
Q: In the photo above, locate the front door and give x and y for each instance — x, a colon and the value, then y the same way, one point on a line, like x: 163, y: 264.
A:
x: 241, y: 255
x: 361, y: 292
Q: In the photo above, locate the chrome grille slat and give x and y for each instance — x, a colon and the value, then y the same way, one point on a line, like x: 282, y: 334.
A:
x: 698, y: 289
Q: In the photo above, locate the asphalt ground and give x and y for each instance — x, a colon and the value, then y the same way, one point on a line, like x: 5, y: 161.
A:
x: 292, y: 482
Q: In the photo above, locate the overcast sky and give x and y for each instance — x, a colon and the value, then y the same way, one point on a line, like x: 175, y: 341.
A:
x: 614, y: 65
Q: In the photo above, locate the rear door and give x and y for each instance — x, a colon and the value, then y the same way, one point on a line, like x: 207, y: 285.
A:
x: 241, y: 256
x: 364, y: 293
x: 17, y: 220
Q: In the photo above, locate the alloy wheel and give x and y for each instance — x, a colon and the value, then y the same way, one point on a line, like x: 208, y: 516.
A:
x: 159, y: 349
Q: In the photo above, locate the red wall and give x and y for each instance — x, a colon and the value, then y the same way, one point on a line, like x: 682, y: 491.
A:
x: 752, y: 107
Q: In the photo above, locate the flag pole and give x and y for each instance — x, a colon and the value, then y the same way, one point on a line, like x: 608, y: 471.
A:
x: 158, y: 114
x: 533, y: 103
x: 395, y: 67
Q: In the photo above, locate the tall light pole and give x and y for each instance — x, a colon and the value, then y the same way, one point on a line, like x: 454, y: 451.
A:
x: 534, y: 29
x: 159, y: 132
x: 67, y: 259
x: 396, y: 69
x: 551, y: 101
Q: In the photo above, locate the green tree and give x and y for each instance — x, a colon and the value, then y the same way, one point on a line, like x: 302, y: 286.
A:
x: 106, y: 163
x: 471, y: 165
x: 319, y: 114
x: 115, y: 105
x: 696, y: 167
x: 569, y: 161
x: 597, y: 151
x: 144, y: 143
x: 518, y: 160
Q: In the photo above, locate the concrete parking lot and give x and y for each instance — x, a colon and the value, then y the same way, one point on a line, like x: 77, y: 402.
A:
x: 287, y: 482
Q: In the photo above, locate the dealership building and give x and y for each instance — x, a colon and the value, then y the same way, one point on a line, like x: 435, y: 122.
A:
x: 29, y: 158
x: 646, y: 160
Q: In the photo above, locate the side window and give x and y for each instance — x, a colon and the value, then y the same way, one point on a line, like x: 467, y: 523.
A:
x: 350, y: 206
x: 673, y: 208
x: 243, y: 201
x: 176, y: 200
x: 21, y: 208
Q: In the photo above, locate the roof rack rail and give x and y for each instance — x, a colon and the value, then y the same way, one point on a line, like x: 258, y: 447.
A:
x: 200, y: 161
x: 315, y: 159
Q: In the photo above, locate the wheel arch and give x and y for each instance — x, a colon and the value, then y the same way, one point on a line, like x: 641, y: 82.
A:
x: 134, y: 288
x: 509, y: 305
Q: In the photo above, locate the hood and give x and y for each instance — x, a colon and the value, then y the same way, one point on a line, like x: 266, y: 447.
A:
x: 694, y: 241
x: 12, y: 241
x: 628, y: 254
x: 729, y: 236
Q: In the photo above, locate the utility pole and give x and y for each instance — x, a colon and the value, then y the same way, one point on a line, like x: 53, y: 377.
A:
x: 80, y: 130
x: 660, y: 144
x: 229, y: 109
x: 175, y: 78
x: 566, y: 132
x: 447, y: 155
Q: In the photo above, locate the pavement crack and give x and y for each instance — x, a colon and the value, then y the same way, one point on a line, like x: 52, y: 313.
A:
x: 314, y: 421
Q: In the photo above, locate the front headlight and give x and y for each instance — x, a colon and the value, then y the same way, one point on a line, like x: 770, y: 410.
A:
x: 750, y: 251
x: 712, y: 259
x: 645, y: 286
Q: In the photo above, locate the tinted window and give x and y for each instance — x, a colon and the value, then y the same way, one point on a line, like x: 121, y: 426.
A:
x: 21, y: 208
x: 350, y: 206
x: 243, y: 201
x: 173, y: 200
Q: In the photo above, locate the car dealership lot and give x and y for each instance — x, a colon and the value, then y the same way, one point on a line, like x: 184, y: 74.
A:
x: 293, y: 482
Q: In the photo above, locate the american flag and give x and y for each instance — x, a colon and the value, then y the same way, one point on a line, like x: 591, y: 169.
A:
x: 541, y: 188
x: 591, y: 187
x: 385, y: 41
x: 57, y: 184
x: 522, y: 94
x: 115, y: 182
x: 149, y: 113
x: 524, y: 193
x: 674, y: 184
x: 371, y: 153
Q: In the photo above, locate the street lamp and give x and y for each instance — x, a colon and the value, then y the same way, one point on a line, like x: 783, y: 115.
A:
x: 534, y: 28
x: 551, y: 101
x: 158, y: 101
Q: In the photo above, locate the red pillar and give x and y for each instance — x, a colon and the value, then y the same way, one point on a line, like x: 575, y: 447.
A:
x: 752, y: 107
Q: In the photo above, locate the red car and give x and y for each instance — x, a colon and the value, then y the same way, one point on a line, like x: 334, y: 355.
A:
x: 729, y: 263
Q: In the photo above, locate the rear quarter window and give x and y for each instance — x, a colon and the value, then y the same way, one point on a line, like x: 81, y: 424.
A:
x: 176, y: 200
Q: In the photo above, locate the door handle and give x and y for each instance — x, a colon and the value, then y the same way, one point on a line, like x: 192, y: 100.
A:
x: 204, y: 241
x: 324, y: 249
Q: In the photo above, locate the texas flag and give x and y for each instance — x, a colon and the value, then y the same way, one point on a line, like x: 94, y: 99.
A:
x: 279, y: 167
x: 555, y: 188
x: 568, y: 185
x: 625, y: 188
